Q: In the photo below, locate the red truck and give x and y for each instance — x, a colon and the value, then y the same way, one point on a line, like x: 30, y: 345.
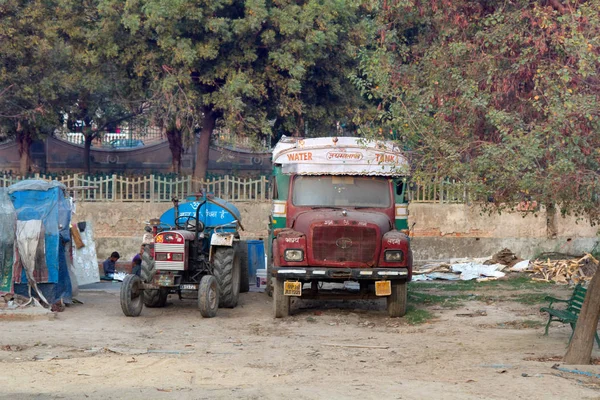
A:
x: 339, y: 214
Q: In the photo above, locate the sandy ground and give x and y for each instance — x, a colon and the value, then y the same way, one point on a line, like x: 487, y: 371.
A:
x: 93, y: 351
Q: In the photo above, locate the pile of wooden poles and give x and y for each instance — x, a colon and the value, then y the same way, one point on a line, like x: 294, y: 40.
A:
x: 571, y: 271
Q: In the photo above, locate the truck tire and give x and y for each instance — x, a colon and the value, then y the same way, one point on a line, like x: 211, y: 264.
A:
x: 132, y: 296
x: 208, y: 296
x: 281, y: 303
x: 156, y: 298
x: 244, y: 275
x: 227, y: 271
x: 396, y: 302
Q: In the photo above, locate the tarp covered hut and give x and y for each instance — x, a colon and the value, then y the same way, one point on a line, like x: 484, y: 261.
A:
x: 42, y: 230
x: 8, y: 224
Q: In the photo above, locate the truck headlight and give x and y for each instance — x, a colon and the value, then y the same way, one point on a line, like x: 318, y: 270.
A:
x: 394, y: 255
x: 293, y: 255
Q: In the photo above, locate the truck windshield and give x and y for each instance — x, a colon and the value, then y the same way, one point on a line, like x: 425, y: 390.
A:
x: 341, y: 191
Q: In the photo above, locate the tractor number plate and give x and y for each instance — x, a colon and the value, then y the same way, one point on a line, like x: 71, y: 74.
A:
x: 292, y: 288
x: 188, y: 287
x: 383, y: 288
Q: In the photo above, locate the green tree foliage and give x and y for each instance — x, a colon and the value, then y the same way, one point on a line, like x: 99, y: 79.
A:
x: 247, y: 63
x: 104, y: 89
x: 503, y: 95
x: 34, y: 76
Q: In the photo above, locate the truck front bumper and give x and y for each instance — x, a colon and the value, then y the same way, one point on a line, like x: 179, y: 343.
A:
x: 340, y: 274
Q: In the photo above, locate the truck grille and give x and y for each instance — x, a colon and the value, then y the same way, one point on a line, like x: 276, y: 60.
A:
x: 344, y: 243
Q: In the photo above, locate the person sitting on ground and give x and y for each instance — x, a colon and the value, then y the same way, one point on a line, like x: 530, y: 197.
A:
x: 109, y: 265
x: 136, y: 263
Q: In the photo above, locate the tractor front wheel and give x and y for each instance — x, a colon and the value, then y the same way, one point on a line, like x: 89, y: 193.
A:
x: 227, y: 272
x: 208, y: 296
x: 132, y: 296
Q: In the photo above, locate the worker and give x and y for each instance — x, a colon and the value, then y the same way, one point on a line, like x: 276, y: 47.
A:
x: 136, y: 263
x: 109, y: 265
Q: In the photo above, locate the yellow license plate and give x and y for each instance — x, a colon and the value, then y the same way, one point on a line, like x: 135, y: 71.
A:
x: 383, y: 288
x: 292, y: 288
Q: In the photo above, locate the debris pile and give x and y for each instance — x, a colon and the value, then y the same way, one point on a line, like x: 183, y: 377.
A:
x: 577, y: 270
x: 561, y: 271
x: 482, y: 269
x: 505, y: 257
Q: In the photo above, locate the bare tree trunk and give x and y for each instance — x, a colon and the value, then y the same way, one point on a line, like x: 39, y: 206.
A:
x: 176, y: 147
x: 551, y: 228
x: 580, y: 348
x: 86, y: 152
x: 202, y: 150
x: 299, y: 132
x: 24, y: 140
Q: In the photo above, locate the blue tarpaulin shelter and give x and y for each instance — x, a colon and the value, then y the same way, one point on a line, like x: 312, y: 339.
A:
x: 42, y: 206
x: 8, y: 225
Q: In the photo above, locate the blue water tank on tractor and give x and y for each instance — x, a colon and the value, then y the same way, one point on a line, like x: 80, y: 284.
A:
x: 212, y: 215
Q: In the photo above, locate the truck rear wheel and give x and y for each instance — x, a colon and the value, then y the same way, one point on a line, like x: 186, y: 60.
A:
x: 244, y: 275
x: 281, y: 303
x: 226, y: 270
x: 396, y: 302
x: 208, y: 296
x: 156, y: 298
x: 132, y: 296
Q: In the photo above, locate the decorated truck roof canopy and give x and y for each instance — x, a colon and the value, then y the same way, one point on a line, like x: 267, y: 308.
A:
x: 339, y: 156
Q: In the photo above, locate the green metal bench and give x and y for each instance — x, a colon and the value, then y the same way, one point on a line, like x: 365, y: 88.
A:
x: 568, y: 315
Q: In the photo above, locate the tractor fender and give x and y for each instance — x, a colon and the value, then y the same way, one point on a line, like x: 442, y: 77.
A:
x: 222, y: 239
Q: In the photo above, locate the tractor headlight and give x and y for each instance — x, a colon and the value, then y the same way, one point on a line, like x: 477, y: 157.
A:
x: 160, y: 257
x: 177, y: 257
x: 293, y: 255
x: 394, y: 255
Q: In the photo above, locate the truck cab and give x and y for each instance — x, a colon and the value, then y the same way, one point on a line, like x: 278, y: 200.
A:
x: 339, y: 214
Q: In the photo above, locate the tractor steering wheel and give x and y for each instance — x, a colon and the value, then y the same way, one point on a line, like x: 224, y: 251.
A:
x: 188, y: 223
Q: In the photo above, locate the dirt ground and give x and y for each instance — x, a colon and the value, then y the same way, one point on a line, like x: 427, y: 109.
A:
x: 485, y: 347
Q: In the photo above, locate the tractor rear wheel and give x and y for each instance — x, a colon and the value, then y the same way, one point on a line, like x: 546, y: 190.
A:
x: 227, y: 271
x: 281, y: 302
x: 156, y: 298
x: 244, y: 276
x: 148, y: 271
x: 132, y: 296
x: 208, y: 296
x: 396, y: 302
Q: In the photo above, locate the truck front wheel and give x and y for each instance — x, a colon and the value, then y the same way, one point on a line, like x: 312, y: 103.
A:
x: 396, y: 302
x: 281, y: 303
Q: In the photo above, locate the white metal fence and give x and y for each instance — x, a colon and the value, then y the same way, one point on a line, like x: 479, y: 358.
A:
x: 445, y: 191
x: 153, y: 188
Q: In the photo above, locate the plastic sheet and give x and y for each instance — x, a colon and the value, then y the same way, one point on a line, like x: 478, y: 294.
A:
x: 28, y: 238
x: 85, y: 263
x: 470, y: 271
x: 35, y: 184
x: 8, y: 222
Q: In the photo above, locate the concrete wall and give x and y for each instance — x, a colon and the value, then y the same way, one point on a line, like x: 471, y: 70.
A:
x: 444, y: 231
x: 441, y: 231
